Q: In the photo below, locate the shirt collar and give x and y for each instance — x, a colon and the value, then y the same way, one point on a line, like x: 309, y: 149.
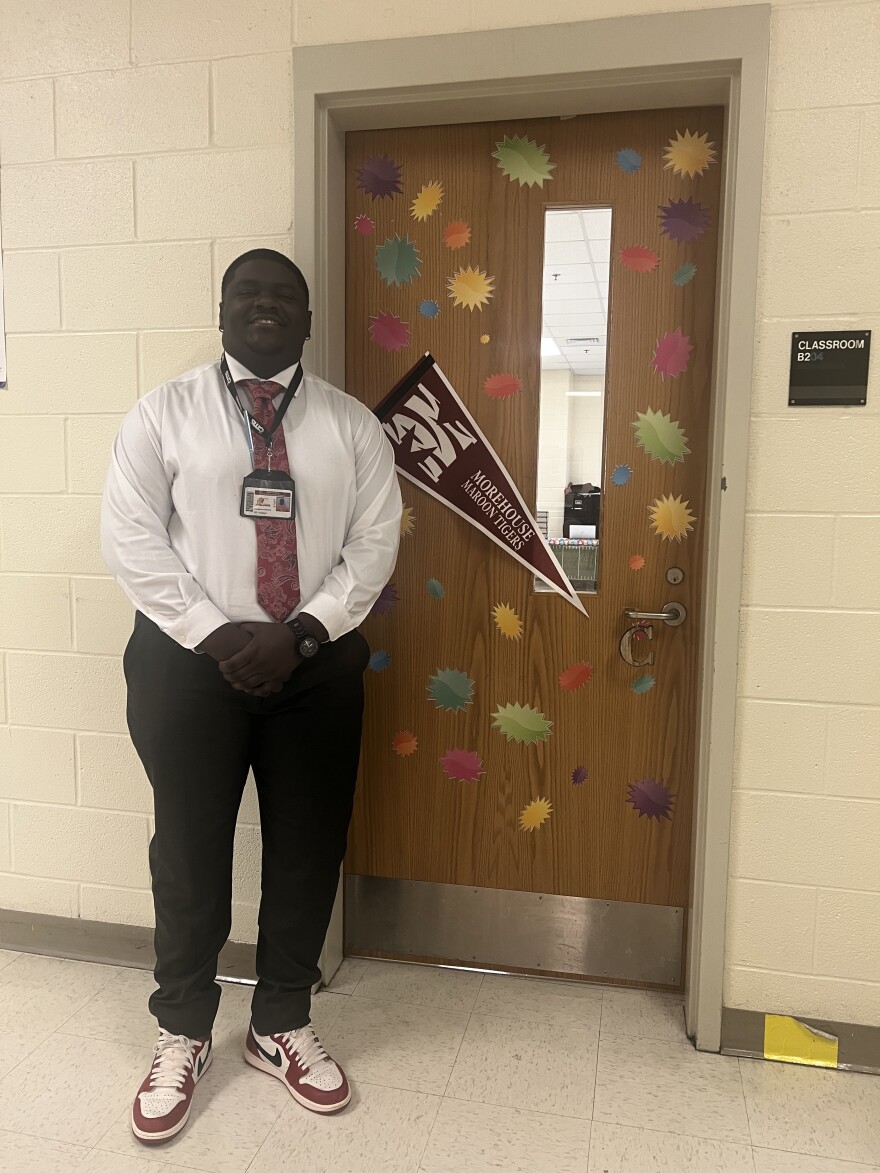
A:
x: 239, y: 371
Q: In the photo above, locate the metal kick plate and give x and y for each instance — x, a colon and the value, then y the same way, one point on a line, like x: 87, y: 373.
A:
x: 493, y: 929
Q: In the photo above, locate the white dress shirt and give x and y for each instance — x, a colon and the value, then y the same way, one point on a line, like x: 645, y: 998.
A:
x: 171, y: 532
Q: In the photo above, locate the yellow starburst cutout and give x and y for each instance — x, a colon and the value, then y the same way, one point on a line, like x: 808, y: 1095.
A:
x: 471, y: 287
x: 407, y: 522
x: 689, y: 154
x: 535, y: 814
x: 507, y: 621
x: 671, y: 518
x: 427, y: 201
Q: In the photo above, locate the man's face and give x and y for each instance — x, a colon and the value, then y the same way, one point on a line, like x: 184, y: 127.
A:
x: 264, y: 314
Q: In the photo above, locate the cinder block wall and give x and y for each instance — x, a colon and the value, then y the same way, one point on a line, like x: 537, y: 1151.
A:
x: 143, y: 143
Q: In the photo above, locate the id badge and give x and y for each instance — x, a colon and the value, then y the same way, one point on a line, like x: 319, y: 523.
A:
x: 268, y: 494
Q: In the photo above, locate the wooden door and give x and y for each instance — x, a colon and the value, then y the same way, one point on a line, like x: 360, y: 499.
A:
x: 616, y: 769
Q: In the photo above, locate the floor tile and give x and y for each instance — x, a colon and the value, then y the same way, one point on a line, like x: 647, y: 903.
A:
x: 101, y: 1162
x: 534, y: 1066
x: 619, y: 1149
x: 349, y: 974
x: 420, y: 985
x: 810, y: 1110
x: 30, y: 1154
x: 37, y: 994
x: 539, y: 1000
x: 672, y: 1085
x: 6, y: 955
x: 481, y: 1138
x: 233, y: 1110
x: 90, y: 1082
x: 15, y: 1046
x: 642, y: 1014
x: 774, y: 1161
x: 382, y: 1129
x: 410, y: 1047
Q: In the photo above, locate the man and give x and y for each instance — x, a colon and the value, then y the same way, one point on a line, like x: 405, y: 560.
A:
x: 245, y: 654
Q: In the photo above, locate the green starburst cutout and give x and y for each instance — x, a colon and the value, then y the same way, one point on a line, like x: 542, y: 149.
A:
x: 522, y: 724
x: 451, y: 690
x: 523, y: 161
x: 398, y: 260
x: 660, y: 436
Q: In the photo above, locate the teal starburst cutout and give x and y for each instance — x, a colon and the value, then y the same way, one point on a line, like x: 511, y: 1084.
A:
x: 523, y: 161
x: 398, y: 260
x: 451, y: 690
x: 522, y: 724
x: 436, y: 589
x: 684, y: 273
x: 643, y: 683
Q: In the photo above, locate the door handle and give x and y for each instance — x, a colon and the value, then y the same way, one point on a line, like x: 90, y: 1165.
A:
x: 673, y: 614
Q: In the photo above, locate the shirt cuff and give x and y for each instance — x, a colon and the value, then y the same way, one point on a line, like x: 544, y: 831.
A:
x: 195, y: 624
x: 329, y: 611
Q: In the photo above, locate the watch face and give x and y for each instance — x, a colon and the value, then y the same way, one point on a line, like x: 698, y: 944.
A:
x: 308, y: 647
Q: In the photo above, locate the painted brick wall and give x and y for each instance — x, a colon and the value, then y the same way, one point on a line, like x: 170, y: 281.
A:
x: 143, y: 143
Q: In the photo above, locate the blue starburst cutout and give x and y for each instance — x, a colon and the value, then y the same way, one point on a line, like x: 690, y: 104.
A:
x: 429, y: 308
x: 379, y: 661
x: 621, y: 475
x: 628, y: 160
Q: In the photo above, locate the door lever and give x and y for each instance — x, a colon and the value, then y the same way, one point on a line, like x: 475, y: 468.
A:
x: 673, y: 614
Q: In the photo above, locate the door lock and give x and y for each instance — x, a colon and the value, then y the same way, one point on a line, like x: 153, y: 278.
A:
x: 673, y: 614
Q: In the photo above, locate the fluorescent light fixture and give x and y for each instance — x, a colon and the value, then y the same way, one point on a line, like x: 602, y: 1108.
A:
x: 549, y: 349
x: 584, y: 394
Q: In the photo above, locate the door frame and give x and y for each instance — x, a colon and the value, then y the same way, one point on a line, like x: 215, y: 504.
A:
x: 708, y: 57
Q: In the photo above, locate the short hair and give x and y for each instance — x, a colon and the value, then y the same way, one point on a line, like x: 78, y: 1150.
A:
x: 264, y: 254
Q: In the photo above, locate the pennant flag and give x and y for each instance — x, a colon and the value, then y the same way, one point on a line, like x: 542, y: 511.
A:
x: 439, y: 447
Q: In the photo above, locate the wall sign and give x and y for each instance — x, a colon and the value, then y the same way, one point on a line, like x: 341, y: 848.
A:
x: 829, y: 368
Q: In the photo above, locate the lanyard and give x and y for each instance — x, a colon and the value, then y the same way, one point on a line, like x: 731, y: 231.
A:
x: 253, y: 426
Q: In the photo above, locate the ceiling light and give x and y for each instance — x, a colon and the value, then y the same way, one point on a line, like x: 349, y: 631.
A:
x: 572, y: 341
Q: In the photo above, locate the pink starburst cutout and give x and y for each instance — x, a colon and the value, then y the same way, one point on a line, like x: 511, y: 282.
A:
x: 364, y: 225
x: 651, y: 799
x: 671, y: 354
x: 462, y: 765
x: 579, y: 775
x: 389, y: 332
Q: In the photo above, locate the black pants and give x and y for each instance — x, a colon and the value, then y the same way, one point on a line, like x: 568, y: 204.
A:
x: 197, y: 737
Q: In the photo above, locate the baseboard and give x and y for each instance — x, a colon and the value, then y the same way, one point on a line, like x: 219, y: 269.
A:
x: 858, y: 1047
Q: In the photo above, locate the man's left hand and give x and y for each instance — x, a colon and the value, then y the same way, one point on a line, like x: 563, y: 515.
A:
x: 266, y: 663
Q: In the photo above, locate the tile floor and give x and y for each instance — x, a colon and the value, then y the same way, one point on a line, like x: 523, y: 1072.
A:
x: 453, y: 1073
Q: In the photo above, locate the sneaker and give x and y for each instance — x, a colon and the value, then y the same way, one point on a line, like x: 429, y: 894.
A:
x: 301, y: 1063
x: 161, y: 1106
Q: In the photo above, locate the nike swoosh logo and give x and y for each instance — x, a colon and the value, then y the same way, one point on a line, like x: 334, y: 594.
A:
x: 203, y: 1059
x: 275, y: 1059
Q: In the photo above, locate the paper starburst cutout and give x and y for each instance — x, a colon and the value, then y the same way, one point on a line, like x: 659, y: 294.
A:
x: 471, y: 287
x: 575, y: 676
x: 621, y: 475
x: 660, y: 436
x: 364, y: 226
x: 689, y: 154
x: 628, y: 160
x: 462, y: 765
x: 485, y: 339
x: 671, y: 354
x: 535, y: 814
x: 671, y: 518
x: 429, y: 308
x: 684, y: 220
x: 507, y: 621
x: 522, y: 724
x: 457, y: 234
x: 407, y: 522
x: 643, y: 684
x: 404, y: 744
x: 379, y: 661
x: 636, y: 562
x: 389, y: 332
x: 502, y: 386
x: 684, y: 274
x: 651, y: 799
x: 579, y: 775
x: 436, y: 589
x: 387, y: 601
x: 451, y: 690
x: 398, y: 260
x: 380, y: 177
x: 639, y: 259
x: 523, y: 161
x: 427, y: 201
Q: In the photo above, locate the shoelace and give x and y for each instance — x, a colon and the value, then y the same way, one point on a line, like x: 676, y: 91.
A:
x: 306, y: 1046
x: 174, y: 1057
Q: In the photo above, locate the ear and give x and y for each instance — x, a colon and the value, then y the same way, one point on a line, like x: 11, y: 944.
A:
x: 221, y: 317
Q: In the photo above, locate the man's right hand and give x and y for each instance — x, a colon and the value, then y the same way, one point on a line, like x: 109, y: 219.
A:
x: 225, y: 642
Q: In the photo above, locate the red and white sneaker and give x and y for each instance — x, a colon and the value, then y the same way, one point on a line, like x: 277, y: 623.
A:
x: 161, y: 1106
x: 299, y: 1060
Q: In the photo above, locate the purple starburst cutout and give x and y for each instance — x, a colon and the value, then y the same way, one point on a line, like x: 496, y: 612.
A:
x: 684, y: 220
x: 387, y: 601
x: 579, y: 775
x: 651, y: 799
x: 379, y: 177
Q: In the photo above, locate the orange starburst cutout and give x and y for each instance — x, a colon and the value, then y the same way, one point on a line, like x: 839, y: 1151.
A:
x: 535, y: 814
x: 404, y: 744
x: 407, y: 522
x: 457, y: 234
x: 427, y: 201
x: 471, y: 288
x: 507, y: 621
x: 636, y: 562
x: 671, y: 518
x: 689, y: 154
x: 575, y: 676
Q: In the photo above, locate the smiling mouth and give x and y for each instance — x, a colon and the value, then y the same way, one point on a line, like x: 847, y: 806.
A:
x: 265, y: 322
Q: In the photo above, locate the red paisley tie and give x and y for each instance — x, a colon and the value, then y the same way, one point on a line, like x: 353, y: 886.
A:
x: 277, y: 568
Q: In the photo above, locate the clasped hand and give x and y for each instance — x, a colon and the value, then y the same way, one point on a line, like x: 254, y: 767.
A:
x: 257, y: 658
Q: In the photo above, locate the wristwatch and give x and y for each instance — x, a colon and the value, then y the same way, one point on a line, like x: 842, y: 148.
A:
x: 306, y: 645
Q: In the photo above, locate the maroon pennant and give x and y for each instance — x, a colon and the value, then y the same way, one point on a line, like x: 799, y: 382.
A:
x: 439, y: 446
